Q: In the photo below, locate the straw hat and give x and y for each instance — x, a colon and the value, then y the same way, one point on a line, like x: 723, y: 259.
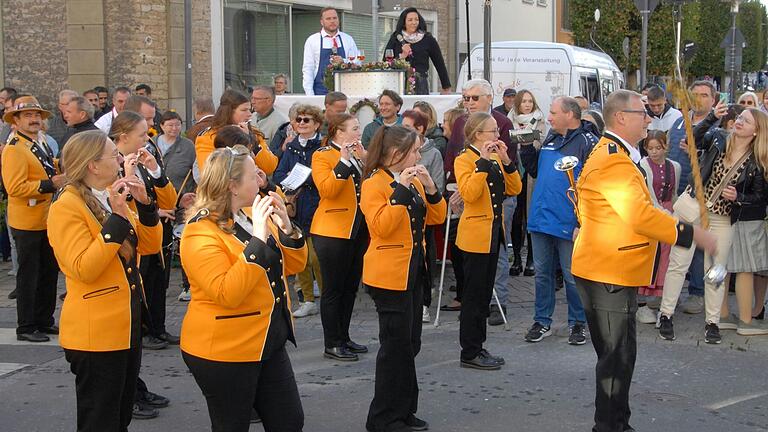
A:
x: 25, y: 103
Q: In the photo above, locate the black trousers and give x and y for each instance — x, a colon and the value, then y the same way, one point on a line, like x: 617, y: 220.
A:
x: 457, y: 260
x: 341, y: 266
x: 36, y: 280
x: 105, y: 383
x: 155, y: 279
x: 519, y: 223
x: 427, y: 276
x: 479, y: 274
x: 396, y: 394
x: 610, y: 311
x: 233, y: 390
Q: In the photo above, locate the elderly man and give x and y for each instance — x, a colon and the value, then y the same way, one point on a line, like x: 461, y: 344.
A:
x: 57, y: 125
x: 119, y: 97
x: 509, y: 102
x: 663, y: 115
x: 551, y: 219
x: 31, y: 176
x: 478, y: 97
x: 265, y: 117
x: 321, y: 49
x: 79, y: 116
x: 281, y: 84
x: 615, y: 251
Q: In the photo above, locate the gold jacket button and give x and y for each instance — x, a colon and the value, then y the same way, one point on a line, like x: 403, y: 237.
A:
x: 413, y: 219
x: 133, y: 232
x: 107, y: 236
x: 494, y: 206
x: 273, y: 284
x: 490, y: 184
x: 246, y: 242
x: 252, y: 256
x: 129, y: 270
x: 393, y: 201
x: 133, y: 287
x: 277, y: 300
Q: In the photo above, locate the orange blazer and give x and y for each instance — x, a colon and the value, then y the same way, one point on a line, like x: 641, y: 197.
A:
x: 238, y: 284
x: 338, y: 214
x: 483, y: 184
x: 396, y: 227
x: 263, y: 156
x: 27, y: 170
x: 96, y: 315
x: 620, y: 227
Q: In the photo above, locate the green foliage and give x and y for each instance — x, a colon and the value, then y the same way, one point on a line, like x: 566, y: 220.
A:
x: 705, y: 22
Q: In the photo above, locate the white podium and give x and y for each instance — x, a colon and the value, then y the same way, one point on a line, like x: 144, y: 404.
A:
x: 371, y: 82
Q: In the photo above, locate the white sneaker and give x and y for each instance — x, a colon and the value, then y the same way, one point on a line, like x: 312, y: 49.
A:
x: 646, y: 315
x: 185, y: 296
x: 306, y: 309
x: 12, y: 273
x: 425, y: 315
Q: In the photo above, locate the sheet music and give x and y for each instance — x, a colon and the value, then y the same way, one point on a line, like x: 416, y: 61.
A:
x: 297, y: 177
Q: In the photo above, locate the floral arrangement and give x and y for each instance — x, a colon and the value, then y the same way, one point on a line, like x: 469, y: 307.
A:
x: 365, y: 102
x: 398, y: 64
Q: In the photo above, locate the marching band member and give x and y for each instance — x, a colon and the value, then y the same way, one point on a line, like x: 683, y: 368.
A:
x: 399, y: 198
x: 234, y: 333
x: 129, y: 133
x: 485, y: 176
x: 235, y: 109
x: 31, y: 176
x: 339, y: 232
x: 98, y: 238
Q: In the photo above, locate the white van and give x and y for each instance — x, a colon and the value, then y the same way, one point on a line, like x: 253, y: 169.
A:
x: 546, y: 69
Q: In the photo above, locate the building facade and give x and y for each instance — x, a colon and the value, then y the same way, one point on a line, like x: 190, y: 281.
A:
x: 56, y: 44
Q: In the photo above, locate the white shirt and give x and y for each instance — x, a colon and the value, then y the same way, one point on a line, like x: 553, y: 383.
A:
x: 105, y: 122
x: 312, y: 55
x: 634, y: 152
x: 242, y: 220
x: 665, y: 122
x: 103, y: 197
x: 353, y: 162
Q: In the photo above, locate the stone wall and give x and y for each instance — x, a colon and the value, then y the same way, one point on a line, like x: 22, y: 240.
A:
x: 56, y: 44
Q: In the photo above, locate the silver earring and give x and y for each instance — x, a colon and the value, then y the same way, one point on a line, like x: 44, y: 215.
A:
x: 234, y: 193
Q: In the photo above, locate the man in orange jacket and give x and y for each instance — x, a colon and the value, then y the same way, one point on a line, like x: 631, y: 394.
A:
x: 615, y: 251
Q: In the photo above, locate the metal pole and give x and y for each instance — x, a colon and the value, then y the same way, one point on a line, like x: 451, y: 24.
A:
x: 732, y: 65
x: 644, y: 43
x: 469, y: 49
x: 487, y: 40
x: 374, y: 56
x: 188, y: 62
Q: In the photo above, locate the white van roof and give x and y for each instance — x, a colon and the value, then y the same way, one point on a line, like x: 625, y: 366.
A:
x: 576, y: 55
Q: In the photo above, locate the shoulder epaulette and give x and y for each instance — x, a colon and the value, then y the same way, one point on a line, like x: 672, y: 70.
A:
x: 201, y: 214
x: 464, y: 150
x: 13, y: 140
x: 203, y: 132
x: 613, y: 148
x: 324, y: 148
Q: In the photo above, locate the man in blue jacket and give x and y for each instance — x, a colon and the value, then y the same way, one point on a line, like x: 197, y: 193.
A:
x: 551, y: 218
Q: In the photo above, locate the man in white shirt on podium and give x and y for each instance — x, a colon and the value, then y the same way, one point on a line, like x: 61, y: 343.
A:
x: 327, y: 46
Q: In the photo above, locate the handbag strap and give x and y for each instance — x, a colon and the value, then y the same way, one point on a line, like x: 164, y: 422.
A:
x: 666, y: 187
x: 728, y: 176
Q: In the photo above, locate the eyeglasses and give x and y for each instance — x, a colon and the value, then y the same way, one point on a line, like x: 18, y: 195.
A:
x: 473, y: 97
x: 747, y: 102
x: 643, y: 112
x: 234, y: 154
x: 115, y: 155
x: 743, y: 119
x: 306, y: 120
x: 495, y: 131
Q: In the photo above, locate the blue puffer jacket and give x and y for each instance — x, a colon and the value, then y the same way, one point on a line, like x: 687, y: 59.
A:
x: 309, y: 199
x: 550, y: 210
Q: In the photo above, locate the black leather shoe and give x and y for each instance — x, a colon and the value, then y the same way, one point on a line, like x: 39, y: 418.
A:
x: 52, y: 330
x: 35, y: 336
x: 340, y: 353
x: 144, y: 412
x: 481, y: 362
x: 152, y: 343
x: 171, y: 339
x: 355, y: 347
x: 153, y: 400
x: 497, y: 359
x: 529, y: 270
x: 517, y: 266
x: 12, y: 295
x: 416, y: 424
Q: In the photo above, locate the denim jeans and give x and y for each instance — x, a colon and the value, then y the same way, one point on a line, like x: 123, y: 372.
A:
x: 501, y: 283
x: 547, y: 250
x: 696, y: 272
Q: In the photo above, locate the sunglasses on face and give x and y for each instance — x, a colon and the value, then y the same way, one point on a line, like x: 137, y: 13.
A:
x: 306, y: 120
x: 747, y: 102
x: 474, y: 98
